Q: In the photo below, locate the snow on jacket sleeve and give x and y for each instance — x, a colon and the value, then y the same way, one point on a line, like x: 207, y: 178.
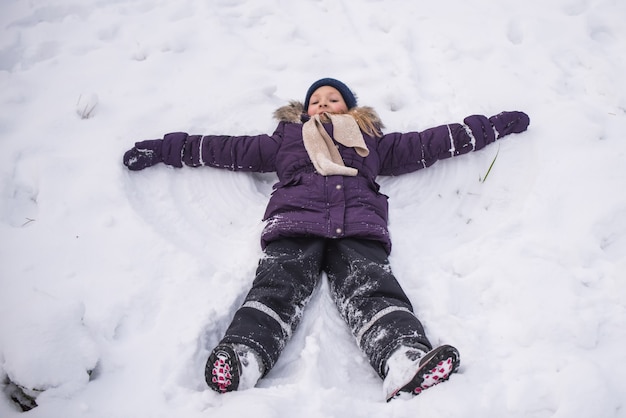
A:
x: 236, y: 153
x: 402, y: 153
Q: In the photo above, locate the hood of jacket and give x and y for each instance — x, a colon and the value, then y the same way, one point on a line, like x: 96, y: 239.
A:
x: 294, y: 113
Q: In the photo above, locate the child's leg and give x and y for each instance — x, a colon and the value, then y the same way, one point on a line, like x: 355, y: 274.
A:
x: 285, y: 279
x: 371, y: 300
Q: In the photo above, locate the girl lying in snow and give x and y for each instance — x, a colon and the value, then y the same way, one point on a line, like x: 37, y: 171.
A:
x: 327, y: 215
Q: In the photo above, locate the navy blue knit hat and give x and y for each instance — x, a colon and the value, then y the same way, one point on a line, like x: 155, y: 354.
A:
x: 347, y: 95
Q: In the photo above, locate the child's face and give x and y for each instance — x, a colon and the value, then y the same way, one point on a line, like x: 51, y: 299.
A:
x: 326, y: 99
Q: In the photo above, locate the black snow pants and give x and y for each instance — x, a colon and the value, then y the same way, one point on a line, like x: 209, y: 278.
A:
x: 367, y: 294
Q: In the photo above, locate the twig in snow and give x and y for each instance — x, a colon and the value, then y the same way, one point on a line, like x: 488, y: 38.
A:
x: 28, y: 220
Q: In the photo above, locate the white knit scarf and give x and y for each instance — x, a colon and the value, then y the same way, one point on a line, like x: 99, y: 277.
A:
x: 323, y: 151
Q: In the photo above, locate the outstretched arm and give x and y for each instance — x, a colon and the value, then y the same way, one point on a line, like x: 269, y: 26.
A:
x: 406, y: 152
x: 237, y: 153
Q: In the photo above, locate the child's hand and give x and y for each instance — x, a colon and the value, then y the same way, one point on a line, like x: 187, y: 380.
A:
x: 144, y: 154
x: 510, y: 123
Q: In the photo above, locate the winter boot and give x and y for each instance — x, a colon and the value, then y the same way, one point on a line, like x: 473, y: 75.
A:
x: 410, y: 370
x: 233, y: 367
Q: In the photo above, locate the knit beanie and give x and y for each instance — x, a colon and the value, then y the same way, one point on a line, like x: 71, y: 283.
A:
x: 347, y: 95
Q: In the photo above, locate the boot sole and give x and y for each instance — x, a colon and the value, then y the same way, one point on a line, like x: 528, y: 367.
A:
x: 222, y: 369
x: 436, y: 367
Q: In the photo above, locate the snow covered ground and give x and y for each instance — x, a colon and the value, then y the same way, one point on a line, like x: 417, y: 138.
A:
x: 135, y: 275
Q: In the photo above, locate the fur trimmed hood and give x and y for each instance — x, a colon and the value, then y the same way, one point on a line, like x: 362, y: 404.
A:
x: 294, y: 113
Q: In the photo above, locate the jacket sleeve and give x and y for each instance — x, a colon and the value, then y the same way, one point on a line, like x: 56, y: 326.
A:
x: 236, y: 153
x: 402, y: 153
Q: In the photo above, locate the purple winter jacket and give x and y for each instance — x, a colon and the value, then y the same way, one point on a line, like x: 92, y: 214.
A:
x: 305, y: 203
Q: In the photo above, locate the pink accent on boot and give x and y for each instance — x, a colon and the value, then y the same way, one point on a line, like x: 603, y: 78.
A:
x: 221, y: 374
x: 438, y: 374
x: 223, y: 369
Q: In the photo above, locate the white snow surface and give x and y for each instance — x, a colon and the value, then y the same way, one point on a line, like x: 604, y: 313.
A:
x: 136, y: 275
